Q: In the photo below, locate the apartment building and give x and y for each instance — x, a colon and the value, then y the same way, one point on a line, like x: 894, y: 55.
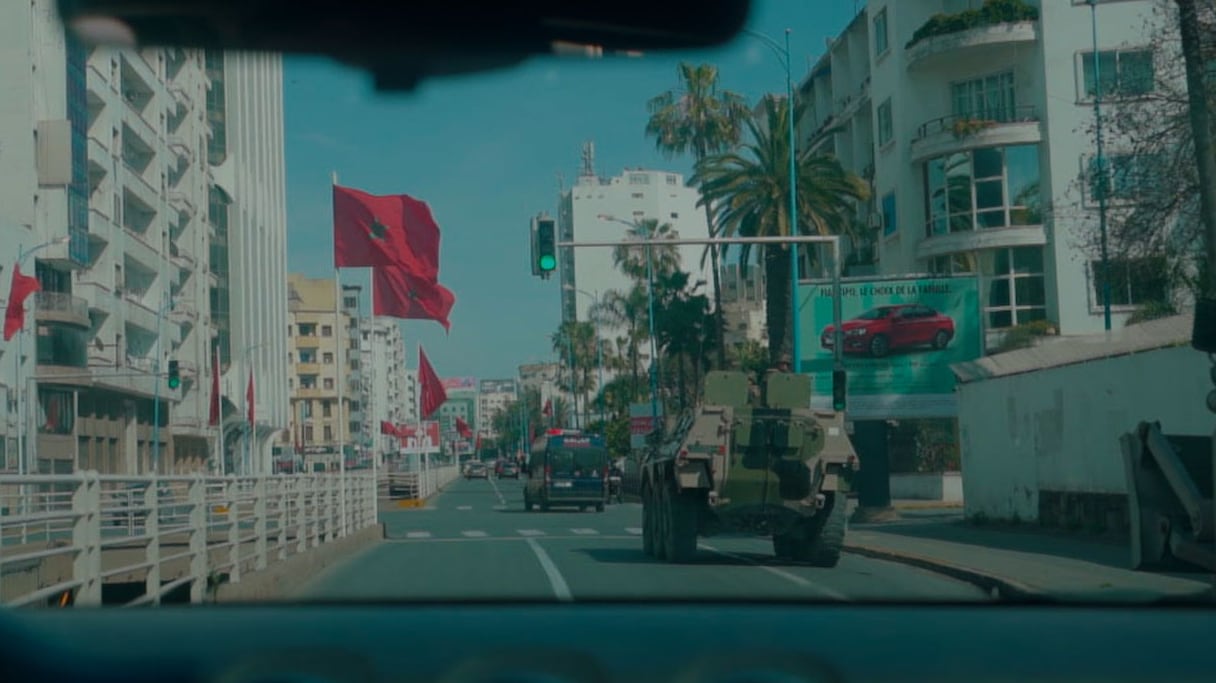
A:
x: 978, y: 140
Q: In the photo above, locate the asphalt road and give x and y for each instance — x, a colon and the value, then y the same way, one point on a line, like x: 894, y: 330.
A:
x: 476, y: 542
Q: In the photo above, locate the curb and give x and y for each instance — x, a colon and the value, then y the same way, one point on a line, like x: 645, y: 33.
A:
x: 1001, y: 586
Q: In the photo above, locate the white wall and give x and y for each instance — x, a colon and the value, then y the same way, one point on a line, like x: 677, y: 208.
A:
x: 1058, y: 429
x: 941, y: 486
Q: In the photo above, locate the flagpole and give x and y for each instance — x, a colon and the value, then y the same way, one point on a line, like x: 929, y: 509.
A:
x: 377, y: 443
x: 341, y: 380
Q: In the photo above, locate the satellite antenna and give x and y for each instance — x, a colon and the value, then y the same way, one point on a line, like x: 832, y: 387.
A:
x: 588, y: 158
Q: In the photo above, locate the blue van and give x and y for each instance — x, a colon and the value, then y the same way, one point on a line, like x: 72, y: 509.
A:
x: 567, y: 469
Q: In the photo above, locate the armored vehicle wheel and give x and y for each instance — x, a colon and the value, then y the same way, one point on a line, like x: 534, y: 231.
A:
x: 682, y: 510
x: 825, y: 536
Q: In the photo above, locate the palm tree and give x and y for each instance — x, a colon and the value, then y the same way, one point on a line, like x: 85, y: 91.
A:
x: 627, y: 309
x: 632, y: 260
x: 749, y: 190
x: 577, y: 338
x: 701, y: 120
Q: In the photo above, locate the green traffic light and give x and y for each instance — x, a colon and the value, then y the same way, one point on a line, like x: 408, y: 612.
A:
x: 548, y: 262
x: 174, y: 382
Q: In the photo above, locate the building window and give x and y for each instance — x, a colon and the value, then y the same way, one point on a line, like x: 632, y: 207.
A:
x: 350, y: 302
x: 1127, y: 178
x: 1011, y: 282
x: 308, y: 356
x: 329, y: 358
x: 672, y: 179
x: 308, y: 330
x: 1123, y: 73
x: 993, y: 187
x: 989, y: 98
x: 886, y: 129
x: 637, y: 195
x: 308, y: 381
x: 881, y: 41
x: 329, y: 383
x: 327, y: 331
x: 305, y: 409
x: 639, y: 179
x: 327, y: 409
x: 329, y: 433
x: 889, y: 223
x: 675, y: 215
x: 1133, y: 281
x: 308, y: 434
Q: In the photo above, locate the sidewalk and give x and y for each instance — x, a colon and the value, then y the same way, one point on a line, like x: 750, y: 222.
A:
x: 1019, y: 563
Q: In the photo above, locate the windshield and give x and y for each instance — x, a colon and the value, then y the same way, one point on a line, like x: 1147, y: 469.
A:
x: 580, y: 462
x: 250, y: 300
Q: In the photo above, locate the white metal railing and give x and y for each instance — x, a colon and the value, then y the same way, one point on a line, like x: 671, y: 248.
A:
x: 417, y: 485
x: 64, y: 535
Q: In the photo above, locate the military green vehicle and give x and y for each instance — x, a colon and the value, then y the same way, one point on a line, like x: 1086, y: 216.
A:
x: 746, y: 461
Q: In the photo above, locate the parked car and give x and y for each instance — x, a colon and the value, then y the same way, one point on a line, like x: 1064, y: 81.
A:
x: 881, y: 330
x: 509, y: 470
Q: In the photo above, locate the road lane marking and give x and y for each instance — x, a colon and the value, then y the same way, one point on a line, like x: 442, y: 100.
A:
x: 497, y: 492
x: 464, y: 507
x: 530, y: 532
x: 473, y: 534
x: 636, y: 531
x: 585, y: 532
x: 560, y: 590
x: 418, y: 534
x: 827, y: 592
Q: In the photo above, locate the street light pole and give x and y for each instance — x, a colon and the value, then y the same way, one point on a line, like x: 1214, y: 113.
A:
x: 783, y: 55
x: 654, y: 353
x: 1102, y: 174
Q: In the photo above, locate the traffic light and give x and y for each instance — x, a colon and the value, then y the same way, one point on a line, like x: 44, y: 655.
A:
x: 175, y: 377
x: 546, y: 245
x: 839, y: 389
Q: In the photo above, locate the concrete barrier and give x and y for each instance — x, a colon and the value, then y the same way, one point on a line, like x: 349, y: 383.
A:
x: 283, y: 580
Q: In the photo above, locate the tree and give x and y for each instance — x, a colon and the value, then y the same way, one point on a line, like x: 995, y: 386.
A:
x: 699, y: 119
x: 1150, y: 176
x: 632, y: 261
x: 577, y: 338
x: 749, y: 191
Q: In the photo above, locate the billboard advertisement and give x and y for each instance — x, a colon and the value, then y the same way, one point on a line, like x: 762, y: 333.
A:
x: 900, y: 336
x: 424, y: 440
x: 498, y: 386
x: 460, y: 383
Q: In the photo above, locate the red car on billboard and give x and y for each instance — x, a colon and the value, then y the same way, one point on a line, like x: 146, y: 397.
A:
x: 880, y: 330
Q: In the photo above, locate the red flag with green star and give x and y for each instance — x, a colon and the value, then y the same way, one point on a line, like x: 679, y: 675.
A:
x: 393, y: 230
x: 401, y: 294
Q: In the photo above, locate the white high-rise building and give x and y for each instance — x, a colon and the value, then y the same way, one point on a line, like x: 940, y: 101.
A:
x: 383, y: 352
x: 599, y: 208
x: 494, y: 395
x: 110, y: 166
x: 409, y: 396
x: 247, y: 204
x: 978, y: 143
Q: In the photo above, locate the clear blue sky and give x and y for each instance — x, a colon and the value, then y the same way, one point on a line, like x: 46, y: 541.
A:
x: 485, y: 152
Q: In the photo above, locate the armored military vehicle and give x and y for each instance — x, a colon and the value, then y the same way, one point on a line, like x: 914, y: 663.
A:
x: 750, y: 461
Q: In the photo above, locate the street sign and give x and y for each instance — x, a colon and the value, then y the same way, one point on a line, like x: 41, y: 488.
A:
x: 641, y: 423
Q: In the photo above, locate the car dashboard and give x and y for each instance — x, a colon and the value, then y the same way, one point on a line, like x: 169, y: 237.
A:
x: 605, y: 643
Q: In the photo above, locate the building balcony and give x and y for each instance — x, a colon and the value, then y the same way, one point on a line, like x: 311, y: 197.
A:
x: 138, y: 125
x: 313, y: 368
x: 100, y: 298
x: 140, y: 249
x: 987, y: 44
x: 134, y: 182
x: 138, y: 313
x: 313, y: 392
x: 61, y: 307
x: 958, y: 132
x: 977, y: 240
x: 182, y: 202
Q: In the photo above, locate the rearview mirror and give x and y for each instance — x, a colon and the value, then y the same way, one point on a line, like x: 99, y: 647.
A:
x: 403, y: 42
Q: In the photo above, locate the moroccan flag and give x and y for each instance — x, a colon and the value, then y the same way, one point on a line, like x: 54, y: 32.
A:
x: 399, y: 293
x: 464, y: 429
x: 14, y: 314
x: 433, y: 393
x: 389, y: 428
x: 249, y: 398
x: 214, y: 419
x: 385, y: 230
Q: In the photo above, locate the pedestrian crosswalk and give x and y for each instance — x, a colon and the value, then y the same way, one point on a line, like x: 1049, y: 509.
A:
x: 422, y: 535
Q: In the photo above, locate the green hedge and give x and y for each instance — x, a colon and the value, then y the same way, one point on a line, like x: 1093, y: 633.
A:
x: 993, y: 12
